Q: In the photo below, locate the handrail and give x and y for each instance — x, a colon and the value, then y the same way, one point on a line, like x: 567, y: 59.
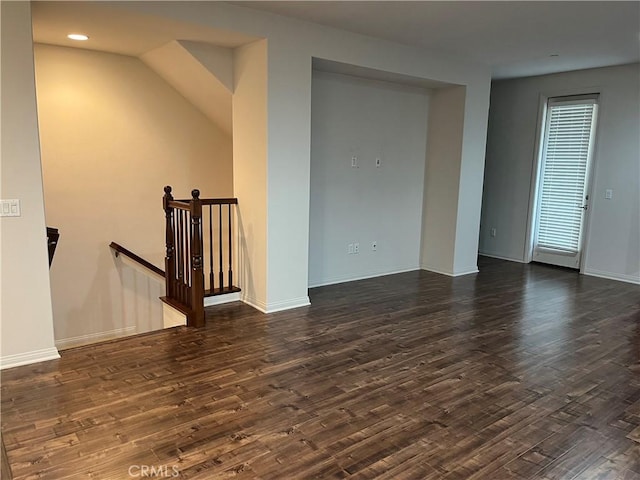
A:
x: 186, y: 204
x: 210, y: 201
x: 180, y: 204
x: 119, y: 249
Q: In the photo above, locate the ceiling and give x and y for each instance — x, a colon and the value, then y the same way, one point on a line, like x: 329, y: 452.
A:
x: 517, y: 38
x: 118, y: 30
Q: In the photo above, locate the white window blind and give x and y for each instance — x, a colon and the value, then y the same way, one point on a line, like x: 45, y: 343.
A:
x: 566, y: 152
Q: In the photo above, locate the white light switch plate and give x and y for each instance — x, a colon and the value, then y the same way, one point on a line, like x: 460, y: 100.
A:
x: 10, y: 208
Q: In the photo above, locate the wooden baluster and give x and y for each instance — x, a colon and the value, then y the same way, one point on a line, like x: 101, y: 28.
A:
x: 230, y: 251
x: 169, y: 259
x: 211, y: 275
x: 180, y: 254
x: 178, y: 222
x: 188, y: 236
x: 197, y: 276
x: 221, y: 274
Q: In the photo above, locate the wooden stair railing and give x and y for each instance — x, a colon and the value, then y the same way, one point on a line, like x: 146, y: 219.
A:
x: 119, y: 249
x: 186, y: 232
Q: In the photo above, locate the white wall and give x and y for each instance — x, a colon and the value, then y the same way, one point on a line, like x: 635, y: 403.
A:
x: 291, y: 46
x: 250, y: 170
x: 113, y: 134
x: 368, y: 119
x: 25, y: 304
x: 613, y: 236
x: 288, y: 159
x: 442, y: 177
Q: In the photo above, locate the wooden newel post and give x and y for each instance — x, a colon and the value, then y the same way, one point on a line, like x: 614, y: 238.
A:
x: 170, y: 258
x: 197, y: 275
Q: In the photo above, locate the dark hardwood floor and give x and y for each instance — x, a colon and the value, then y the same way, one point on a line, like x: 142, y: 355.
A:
x: 518, y: 372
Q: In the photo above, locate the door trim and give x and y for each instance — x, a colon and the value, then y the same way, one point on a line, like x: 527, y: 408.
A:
x: 543, y: 99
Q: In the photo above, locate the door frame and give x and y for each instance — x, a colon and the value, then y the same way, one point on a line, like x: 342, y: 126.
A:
x: 543, y: 99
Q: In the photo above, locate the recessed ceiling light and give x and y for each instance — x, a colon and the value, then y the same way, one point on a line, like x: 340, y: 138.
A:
x: 78, y: 36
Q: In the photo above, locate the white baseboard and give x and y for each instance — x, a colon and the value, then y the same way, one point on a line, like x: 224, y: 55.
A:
x: 257, y: 304
x: 612, y: 276
x: 27, y: 358
x: 94, y: 337
x: 276, y: 306
x: 220, y: 299
x: 466, y: 271
x: 288, y: 304
x: 635, y: 279
x: 501, y: 257
x: 361, y: 277
x: 429, y: 268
